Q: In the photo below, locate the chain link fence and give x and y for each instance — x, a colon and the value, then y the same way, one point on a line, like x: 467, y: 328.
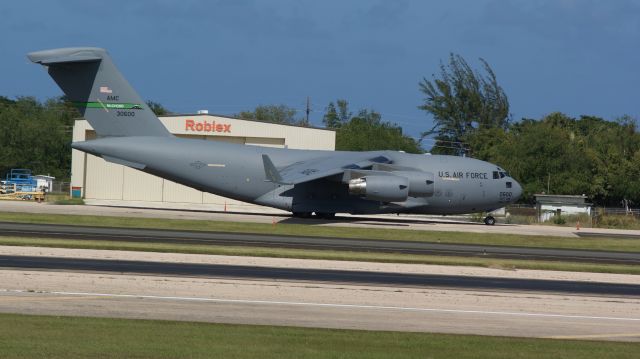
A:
x: 60, y: 187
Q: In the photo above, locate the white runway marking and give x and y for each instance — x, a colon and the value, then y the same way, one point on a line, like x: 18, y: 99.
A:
x: 327, y: 305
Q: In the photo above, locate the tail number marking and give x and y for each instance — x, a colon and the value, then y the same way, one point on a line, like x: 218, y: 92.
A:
x: 125, y: 114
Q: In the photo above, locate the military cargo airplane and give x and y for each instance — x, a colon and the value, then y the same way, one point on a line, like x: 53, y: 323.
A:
x: 304, y: 182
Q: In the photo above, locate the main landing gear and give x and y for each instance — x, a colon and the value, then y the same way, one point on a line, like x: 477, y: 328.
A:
x: 489, y: 220
x: 302, y: 214
x: 323, y: 215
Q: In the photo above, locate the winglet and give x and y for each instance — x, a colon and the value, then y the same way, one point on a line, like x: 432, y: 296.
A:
x: 270, y: 171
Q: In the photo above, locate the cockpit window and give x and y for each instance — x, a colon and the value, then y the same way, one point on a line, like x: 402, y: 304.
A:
x: 500, y: 173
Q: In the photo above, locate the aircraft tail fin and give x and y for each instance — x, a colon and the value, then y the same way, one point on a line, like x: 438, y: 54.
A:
x: 103, y: 96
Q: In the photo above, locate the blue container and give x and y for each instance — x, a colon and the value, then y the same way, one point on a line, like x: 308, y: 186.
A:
x: 76, y: 192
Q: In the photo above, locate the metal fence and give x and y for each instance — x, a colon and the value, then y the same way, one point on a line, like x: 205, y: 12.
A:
x: 605, y: 211
x: 596, y: 213
x: 60, y: 187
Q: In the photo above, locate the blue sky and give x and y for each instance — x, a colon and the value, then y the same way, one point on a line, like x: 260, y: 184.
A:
x: 577, y: 57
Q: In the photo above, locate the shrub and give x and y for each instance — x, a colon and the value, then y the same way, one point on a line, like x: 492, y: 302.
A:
x: 618, y: 221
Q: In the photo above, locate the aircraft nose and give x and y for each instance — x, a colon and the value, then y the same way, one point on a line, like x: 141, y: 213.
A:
x: 517, y: 191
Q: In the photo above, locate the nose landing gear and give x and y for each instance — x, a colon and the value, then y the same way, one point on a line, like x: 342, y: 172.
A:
x: 489, y: 221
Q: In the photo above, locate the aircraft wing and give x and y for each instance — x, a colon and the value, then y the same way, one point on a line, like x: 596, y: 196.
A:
x: 321, y: 167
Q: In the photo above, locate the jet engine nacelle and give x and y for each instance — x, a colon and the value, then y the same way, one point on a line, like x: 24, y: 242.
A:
x: 420, y: 183
x: 380, y: 188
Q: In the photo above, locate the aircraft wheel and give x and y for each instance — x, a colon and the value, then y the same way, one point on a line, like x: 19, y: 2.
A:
x: 325, y: 215
x: 489, y: 221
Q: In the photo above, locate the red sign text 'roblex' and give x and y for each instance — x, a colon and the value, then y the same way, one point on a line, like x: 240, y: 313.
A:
x: 191, y: 125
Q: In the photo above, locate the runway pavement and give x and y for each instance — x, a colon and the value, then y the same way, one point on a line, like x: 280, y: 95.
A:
x: 319, y: 293
x: 345, y: 244
x: 350, y: 277
x: 320, y: 305
x: 327, y: 294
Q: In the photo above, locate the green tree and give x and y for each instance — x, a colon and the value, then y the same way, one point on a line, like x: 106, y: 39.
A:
x: 462, y: 101
x: 544, y: 154
x: 281, y: 114
x: 335, y: 117
x: 158, y: 109
x: 563, y: 155
x: 37, y: 135
x: 367, y: 132
x: 5, y: 101
x: 330, y: 118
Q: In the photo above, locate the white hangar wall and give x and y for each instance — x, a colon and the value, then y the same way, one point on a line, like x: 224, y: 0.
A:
x: 103, y: 183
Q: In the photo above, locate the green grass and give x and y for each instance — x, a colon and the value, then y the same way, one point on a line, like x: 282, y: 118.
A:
x: 509, y: 264
x: 63, y: 199
x: 24, y: 336
x: 69, y: 201
x: 618, y: 221
x: 592, y: 243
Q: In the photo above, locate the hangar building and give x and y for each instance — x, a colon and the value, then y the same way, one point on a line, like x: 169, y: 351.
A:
x: 103, y: 183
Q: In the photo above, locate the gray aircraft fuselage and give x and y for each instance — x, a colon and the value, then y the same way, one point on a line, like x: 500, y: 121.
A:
x: 300, y: 181
x: 461, y: 185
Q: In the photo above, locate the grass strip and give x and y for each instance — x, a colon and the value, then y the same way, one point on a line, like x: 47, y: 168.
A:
x: 26, y: 336
x: 592, y: 243
x: 63, y: 199
x: 508, y: 264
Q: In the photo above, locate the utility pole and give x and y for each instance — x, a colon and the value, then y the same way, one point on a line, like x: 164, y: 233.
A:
x: 307, y: 111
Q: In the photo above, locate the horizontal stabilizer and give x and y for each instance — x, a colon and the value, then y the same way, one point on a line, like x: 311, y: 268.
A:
x: 60, y: 56
x: 61, y: 60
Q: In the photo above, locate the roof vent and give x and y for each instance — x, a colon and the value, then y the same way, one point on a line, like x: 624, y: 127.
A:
x: 203, y: 112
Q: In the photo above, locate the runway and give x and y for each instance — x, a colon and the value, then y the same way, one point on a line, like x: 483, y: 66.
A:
x: 319, y: 293
x: 419, y: 318
x: 503, y: 310
x: 340, y: 244
x: 350, y: 277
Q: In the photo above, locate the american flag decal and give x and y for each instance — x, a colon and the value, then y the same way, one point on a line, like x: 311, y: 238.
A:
x: 105, y: 89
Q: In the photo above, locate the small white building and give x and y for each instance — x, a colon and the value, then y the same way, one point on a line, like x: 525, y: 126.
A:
x: 550, y: 205
x: 104, y: 183
x: 44, y: 182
